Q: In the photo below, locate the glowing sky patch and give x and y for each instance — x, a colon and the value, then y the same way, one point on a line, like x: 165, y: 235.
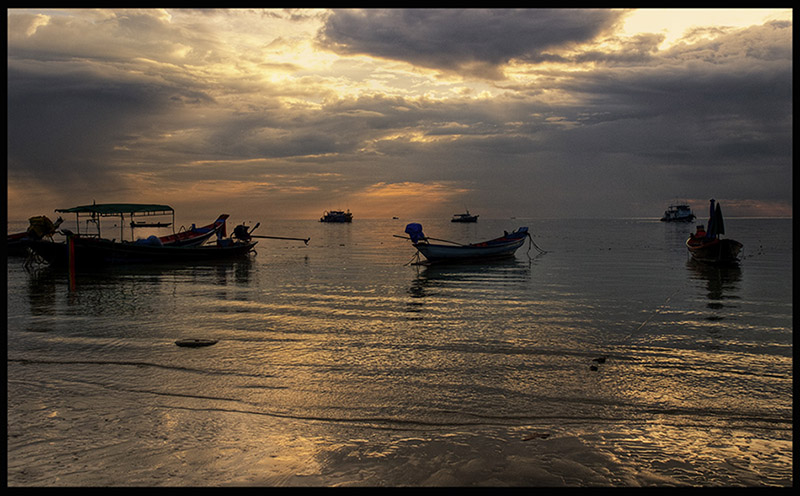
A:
x: 527, y: 112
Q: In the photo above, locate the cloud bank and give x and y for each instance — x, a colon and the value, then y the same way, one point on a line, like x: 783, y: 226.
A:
x: 532, y: 112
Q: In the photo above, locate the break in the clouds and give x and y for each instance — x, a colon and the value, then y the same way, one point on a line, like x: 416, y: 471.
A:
x: 530, y: 112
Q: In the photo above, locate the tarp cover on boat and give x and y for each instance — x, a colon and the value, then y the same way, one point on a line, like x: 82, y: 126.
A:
x: 118, y: 209
x: 414, y: 231
x: 716, y: 225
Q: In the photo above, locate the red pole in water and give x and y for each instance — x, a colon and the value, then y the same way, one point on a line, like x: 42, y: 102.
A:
x: 71, y: 251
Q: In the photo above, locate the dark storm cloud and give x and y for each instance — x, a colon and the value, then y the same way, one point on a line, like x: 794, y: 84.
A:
x: 713, y: 115
x: 81, y: 91
x: 477, y: 42
x: 67, y: 126
x: 140, y: 97
x: 719, y: 102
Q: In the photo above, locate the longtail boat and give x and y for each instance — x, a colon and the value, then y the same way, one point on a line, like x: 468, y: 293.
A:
x: 92, y: 250
x: 503, y: 246
x: 86, y: 252
x: 706, y: 245
x: 16, y: 244
x: 195, y: 236
x: 39, y: 227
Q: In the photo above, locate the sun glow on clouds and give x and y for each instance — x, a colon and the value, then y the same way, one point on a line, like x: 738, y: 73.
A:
x: 38, y: 21
x: 307, y: 107
x: 384, y: 199
x: 675, y: 24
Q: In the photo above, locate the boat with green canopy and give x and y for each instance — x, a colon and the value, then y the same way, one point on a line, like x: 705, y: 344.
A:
x: 89, y: 248
x: 91, y: 214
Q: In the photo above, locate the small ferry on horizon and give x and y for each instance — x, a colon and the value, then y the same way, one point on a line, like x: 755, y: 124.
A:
x: 336, y: 216
x: 467, y: 217
x: 678, y: 213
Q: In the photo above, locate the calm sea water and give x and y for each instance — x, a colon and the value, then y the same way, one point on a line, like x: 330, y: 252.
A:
x: 340, y: 364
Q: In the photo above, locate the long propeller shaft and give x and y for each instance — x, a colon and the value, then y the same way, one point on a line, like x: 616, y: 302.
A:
x: 304, y: 240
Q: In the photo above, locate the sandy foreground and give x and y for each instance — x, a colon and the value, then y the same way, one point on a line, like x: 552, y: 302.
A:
x: 133, y: 441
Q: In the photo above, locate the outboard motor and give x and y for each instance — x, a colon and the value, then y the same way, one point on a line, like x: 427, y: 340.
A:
x: 241, y: 232
x: 41, y: 226
x: 414, y: 231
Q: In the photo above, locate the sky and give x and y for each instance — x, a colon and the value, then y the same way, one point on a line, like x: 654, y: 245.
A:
x: 283, y: 114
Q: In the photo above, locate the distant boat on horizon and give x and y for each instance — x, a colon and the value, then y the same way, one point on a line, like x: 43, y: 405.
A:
x: 678, y: 212
x: 336, y: 216
x: 466, y: 217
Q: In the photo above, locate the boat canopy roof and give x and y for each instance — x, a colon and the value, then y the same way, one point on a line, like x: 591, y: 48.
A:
x: 119, y: 209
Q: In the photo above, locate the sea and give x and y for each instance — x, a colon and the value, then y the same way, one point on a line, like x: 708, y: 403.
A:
x: 600, y: 355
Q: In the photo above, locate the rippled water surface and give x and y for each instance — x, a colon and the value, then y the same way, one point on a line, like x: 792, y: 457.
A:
x: 611, y: 359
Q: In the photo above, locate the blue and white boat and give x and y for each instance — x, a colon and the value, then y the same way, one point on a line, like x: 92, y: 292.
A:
x: 504, y: 246
x: 678, y: 213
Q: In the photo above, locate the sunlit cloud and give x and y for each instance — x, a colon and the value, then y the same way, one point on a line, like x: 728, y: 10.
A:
x: 549, y: 112
x: 675, y: 25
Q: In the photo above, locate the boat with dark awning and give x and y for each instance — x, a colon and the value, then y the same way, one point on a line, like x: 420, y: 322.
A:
x: 90, y: 249
x: 706, y: 245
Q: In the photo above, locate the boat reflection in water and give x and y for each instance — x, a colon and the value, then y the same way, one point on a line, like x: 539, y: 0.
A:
x: 110, y: 287
x: 442, y: 285
x: 721, y: 281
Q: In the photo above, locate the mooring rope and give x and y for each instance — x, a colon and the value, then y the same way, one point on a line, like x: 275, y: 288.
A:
x: 602, y: 358
x: 31, y: 259
x: 533, y: 243
x: 414, y: 260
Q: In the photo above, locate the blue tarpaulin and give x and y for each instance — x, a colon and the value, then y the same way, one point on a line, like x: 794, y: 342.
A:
x: 414, y: 231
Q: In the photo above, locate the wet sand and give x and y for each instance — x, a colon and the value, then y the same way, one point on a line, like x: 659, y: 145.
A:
x: 128, y: 440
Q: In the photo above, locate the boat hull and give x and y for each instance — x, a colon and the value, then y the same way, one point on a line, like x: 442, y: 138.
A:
x: 97, y: 252
x: 467, y: 217
x: 714, y: 251
x: 17, y: 244
x: 197, y: 235
x: 504, y: 246
x: 684, y: 218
